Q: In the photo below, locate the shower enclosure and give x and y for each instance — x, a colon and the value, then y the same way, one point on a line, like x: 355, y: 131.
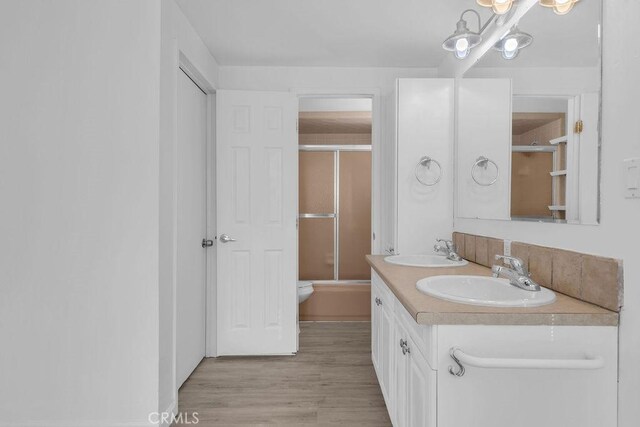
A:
x: 334, y: 232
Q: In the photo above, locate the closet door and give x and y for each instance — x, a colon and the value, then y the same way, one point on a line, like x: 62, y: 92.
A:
x: 484, y: 131
x: 191, y: 227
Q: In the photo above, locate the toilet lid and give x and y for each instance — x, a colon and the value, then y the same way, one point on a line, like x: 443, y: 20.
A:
x: 302, y: 284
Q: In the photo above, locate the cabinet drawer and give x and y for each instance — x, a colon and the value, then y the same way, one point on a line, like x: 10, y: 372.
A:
x: 383, y: 290
x: 423, y: 336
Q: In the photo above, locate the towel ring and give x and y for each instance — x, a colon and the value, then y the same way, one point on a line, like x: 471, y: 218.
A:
x: 483, y: 162
x: 426, y: 162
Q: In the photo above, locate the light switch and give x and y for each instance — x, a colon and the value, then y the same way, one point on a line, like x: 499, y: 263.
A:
x: 632, y: 178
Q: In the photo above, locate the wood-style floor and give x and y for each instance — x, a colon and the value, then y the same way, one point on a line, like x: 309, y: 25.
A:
x: 330, y: 382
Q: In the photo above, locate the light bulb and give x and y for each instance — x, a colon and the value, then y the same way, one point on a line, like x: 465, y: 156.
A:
x: 511, y: 44
x: 499, y: 7
x: 560, y: 7
x: 462, y: 48
x: 462, y: 44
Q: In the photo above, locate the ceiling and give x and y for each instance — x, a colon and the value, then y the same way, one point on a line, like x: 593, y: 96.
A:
x: 340, y: 33
x: 525, y: 122
x: 371, y: 33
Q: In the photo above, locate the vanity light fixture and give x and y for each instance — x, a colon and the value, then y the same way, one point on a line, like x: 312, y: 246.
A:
x: 463, y: 40
x: 509, y: 45
x: 560, y: 7
x: 499, y: 7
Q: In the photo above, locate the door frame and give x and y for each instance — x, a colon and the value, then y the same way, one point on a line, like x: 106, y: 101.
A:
x: 181, y: 63
x: 376, y: 138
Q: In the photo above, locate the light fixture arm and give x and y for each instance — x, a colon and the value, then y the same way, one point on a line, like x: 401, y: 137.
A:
x: 481, y: 27
x: 477, y: 15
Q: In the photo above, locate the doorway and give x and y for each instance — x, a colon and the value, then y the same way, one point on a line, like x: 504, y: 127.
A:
x: 335, y: 206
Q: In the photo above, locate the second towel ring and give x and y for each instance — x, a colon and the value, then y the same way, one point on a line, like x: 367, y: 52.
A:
x: 483, y: 162
x: 426, y: 161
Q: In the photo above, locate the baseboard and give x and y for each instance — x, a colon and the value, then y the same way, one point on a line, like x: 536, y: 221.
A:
x: 172, y: 410
x: 85, y: 423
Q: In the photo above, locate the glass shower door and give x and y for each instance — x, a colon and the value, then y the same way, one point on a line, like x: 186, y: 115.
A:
x: 334, y: 214
x: 317, y: 218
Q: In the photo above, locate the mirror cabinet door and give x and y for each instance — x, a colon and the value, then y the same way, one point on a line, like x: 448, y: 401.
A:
x: 484, y: 148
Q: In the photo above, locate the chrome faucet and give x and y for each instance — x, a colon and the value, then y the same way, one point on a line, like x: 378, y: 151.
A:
x: 449, y: 249
x: 517, y: 273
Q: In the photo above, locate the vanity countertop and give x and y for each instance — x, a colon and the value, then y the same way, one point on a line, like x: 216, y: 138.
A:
x: 428, y: 310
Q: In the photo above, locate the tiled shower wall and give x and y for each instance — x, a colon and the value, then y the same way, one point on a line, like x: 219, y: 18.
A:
x: 590, y: 278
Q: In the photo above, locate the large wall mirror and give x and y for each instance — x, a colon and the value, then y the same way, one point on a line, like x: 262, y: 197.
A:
x: 529, y: 127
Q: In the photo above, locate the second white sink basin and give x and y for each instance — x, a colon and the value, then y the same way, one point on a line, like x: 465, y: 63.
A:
x: 487, y: 291
x: 424, y: 261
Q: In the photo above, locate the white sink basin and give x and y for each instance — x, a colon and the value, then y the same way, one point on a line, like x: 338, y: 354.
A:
x: 424, y: 261
x: 487, y: 291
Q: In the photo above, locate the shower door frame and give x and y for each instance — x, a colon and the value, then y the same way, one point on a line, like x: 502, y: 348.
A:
x: 336, y: 149
x: 376, y: 165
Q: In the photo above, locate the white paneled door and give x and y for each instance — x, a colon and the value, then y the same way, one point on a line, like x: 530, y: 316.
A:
x: 257, y: 172
x: 191, y: 227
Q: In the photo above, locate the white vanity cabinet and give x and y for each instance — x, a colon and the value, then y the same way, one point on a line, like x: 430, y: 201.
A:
x: 514, y: 375
x: 407, y: 381
x: 382, y: 335
x: 415, y: 392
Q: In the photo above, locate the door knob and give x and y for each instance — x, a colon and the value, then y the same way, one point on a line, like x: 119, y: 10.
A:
x: 224, y: 238
x: 206, y: 243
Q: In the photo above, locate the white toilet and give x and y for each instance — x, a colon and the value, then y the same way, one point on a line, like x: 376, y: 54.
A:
x: 305, y: 289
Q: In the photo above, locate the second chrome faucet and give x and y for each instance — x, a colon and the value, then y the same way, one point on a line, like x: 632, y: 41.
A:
x: 516, y: 272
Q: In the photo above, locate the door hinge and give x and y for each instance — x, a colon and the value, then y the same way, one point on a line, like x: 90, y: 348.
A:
x: 577, y: 128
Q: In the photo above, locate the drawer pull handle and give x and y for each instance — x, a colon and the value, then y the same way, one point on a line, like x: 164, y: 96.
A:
x: 460, y: 357
x: 404, y: 345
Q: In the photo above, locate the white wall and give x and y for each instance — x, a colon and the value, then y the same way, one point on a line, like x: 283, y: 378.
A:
x: 79, y: 212
x: 325, y: 80
x: 618, y: 233
x: 335, y: 104
x: 544, y: 80
x: 178, y: 39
